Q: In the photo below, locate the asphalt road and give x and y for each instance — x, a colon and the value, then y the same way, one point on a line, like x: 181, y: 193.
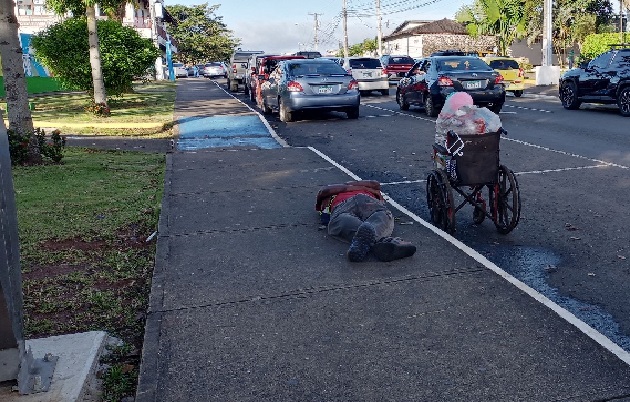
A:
x: 572, y: 242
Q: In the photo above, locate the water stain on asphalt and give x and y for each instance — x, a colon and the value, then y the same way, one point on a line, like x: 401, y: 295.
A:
x: 532, y: 266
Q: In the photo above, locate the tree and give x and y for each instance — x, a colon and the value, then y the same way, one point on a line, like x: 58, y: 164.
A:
x: 125, y: 55
x: 19, y: 114
x: 201, y: 34
x: 503, y: 18
x: 87, y: 8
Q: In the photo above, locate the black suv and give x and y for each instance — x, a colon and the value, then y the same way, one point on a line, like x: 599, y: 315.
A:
x: 605, y: 79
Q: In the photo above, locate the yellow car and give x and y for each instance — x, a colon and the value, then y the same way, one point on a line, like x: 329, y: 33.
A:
x: 513, y: 75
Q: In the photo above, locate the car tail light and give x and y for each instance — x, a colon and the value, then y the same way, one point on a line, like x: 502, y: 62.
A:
x: 294, y: 86
x: 445, y: 82
x: 498, y: 79
x: 385, y: 71
x: 353, y: 85
x: 521, y: 73
x: 234, y: 68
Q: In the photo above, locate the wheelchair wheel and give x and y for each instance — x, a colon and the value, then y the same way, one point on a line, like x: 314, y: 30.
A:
x: 440, y: 201
x: 507, y: 201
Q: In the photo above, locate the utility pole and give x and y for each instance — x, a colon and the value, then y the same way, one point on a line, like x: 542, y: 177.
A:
x: 315, y: 29
x: 344, y: 17
x: 380, y: 31
x: 547, y: 36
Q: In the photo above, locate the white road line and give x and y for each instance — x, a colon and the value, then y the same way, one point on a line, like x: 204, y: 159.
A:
x: 562, y: 312
x: 393, y: 183
x: 529, y: 144
x: 264, y: 121
x: 400, y: 113
x: 561, y: 170
x: 529, y: 108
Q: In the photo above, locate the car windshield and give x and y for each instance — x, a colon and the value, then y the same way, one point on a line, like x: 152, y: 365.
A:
x: 463, y: 64
x: 297, y: 69
x: 365, y: 63
x: 400, y: 60
x: 504, y: 64
x: 178, y: 64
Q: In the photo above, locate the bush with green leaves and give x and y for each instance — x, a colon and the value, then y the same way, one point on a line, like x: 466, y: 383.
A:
x: 49, y: 147
x: 125, y: 55
x: 596, y: 44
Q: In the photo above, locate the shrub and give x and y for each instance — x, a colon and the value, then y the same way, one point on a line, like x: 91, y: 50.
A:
x: 596, y: 44
x: 51, y: 148
x: 125, y: 56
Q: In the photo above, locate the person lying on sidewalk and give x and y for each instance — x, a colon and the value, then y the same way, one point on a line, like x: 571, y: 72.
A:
x: 355, y: 212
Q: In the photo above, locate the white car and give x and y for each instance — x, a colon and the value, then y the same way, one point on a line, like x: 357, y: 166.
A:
x: 180, y: 70
x: 369, y: 72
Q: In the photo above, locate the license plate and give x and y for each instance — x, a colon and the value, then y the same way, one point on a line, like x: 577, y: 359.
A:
x: 367, y: 74
x: 473, y: 84
x: 324, y: 89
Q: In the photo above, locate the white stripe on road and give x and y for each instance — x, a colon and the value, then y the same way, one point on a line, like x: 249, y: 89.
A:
x: 400, y: 113
x: 529, y: 108
x: 562, y: 312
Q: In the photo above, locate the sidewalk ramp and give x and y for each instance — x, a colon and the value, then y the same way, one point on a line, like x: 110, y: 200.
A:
x: 202, y: 132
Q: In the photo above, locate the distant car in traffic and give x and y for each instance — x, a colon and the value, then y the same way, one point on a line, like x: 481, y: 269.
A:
x: 214, y: 69
x: 605, y: 80
x: 369, y: 73
x: 396, y: 66
x: 180, y: 70
x: 430, y: 81
x: 513, y: 74
x: 310, y: 84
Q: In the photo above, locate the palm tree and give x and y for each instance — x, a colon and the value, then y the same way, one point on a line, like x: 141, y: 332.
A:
x: 20, y: 119
x: 503, y: 18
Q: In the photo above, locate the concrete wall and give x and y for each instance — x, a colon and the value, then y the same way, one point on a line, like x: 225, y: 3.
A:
x: 425, y: 44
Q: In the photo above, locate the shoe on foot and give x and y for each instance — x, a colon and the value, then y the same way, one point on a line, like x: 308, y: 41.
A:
x: 393, y: 248
x: 362, y: 243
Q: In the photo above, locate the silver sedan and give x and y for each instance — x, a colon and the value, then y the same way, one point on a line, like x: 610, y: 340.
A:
x: 310, y: 84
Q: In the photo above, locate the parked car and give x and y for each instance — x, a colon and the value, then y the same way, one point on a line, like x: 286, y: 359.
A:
x: 396, y: 66
x: 369, y: 73
x: 605, y: 79
x: 266, y: 65
x: 180, y: 70
x: 430, y: 81
x: 309, y: 54
x: 513, y: 74
x: 310, y: 84
x: 214, y: 69
x: 238, y: 68
x: 201, y: 69
x: 253, y: 65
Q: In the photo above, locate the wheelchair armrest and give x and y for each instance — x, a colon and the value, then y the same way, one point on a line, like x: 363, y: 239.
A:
x: 440, y: 149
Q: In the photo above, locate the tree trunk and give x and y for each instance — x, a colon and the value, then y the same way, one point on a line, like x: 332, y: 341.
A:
x: 19, y: 114
x: 95, y: 57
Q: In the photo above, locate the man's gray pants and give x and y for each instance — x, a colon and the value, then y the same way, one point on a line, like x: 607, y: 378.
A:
x: 350, y: 214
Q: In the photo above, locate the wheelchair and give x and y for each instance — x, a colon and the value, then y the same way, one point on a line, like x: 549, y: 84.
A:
x: 469, y: 164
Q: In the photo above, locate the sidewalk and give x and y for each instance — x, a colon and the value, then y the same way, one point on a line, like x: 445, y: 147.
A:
x: 250, y: 301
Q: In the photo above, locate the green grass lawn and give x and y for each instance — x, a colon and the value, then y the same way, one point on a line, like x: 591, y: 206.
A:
x: 86, y: 261
x: 147, y: 111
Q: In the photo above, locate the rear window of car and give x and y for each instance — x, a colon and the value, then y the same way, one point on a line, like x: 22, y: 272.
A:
x: 504, y: 64
x: 297, y: 69
x: 365, y: 63
x: 178, y: 64
x: 463, y: 64
x: 400, y: 60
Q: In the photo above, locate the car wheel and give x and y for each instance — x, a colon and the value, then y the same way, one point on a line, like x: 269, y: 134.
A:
x: 568, y: 96
x: 353, y: 113
x: 623, y: 101
x: 266, y: 109
x: 518, y: 94
x: 496, y: 107
x: 246, y: 90
x: 429, y: 106
x: 252, y: 96
x: 385, y: 92
x: 285, y: 114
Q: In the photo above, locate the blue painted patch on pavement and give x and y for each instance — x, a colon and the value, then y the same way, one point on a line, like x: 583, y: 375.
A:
x: 224, y: 131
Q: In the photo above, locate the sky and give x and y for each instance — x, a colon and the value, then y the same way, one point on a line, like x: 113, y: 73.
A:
x: 286, y: 26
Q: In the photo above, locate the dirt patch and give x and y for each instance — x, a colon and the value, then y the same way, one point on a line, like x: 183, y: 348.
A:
x: 50, y: 271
